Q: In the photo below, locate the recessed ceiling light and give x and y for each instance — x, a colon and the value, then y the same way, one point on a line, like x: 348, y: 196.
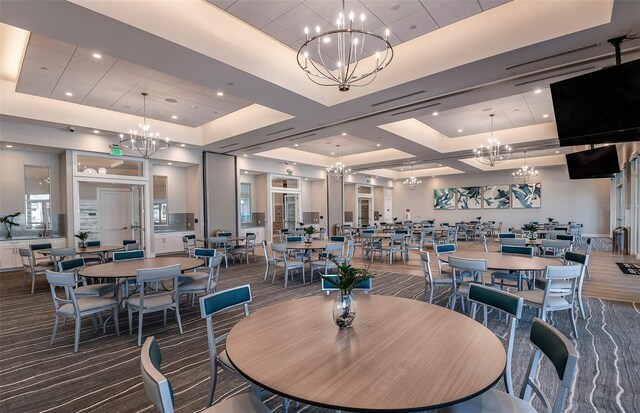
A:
x: 439, y: 164
x: 296, y: 145
x: 68, y: 93
x: 557, y: 151
x: 306, y: 179
x: 394, y: 6
x: 246, y: 172
x: 121, y: 135
x: 433, y: 176
x: 546, y: 115
x: 182, y: 145
x: 459, y: 130
x: 170, y: 163
x: 435, y: 113
x: 174, y: 117
x: 96, y: 131
x: 402, y: 169
x: 295, y: 163
x: 344, y: 133
x: 333, y: 153
x: 245, y: 155
x: 220, y: 94
x: 537, y: 91
x: 378, y: 145
x: 97, y: 55
x: 9, y: 146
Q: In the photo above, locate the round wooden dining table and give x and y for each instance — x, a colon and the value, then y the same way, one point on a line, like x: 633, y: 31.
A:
x: 129, y: 268
x: 98, y: 249
x: 313, y: 245
x: 400, y: 354
x: 498, y: 261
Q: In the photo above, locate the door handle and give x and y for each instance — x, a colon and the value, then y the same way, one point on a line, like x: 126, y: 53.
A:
x: 124, y: 228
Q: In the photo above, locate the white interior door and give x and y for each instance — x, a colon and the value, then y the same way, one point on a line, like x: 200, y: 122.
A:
x: 365, y: 211
x: 115, y: 209
x: 388, y: 209
x: 290, y: 211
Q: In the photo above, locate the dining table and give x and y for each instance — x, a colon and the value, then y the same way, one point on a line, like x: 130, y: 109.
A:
x: 93, y: 250
x: 399, y: 355
x: 513, y: 262
x: 129, y: 268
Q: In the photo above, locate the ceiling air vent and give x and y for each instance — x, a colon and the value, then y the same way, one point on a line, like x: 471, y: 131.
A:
x: 280, y: 131
x: 536, y: 80
x: 398, y: 98
x: 302, y: 137
x: 541, y: 59
x: 228, y: 146
x: 414, y: 109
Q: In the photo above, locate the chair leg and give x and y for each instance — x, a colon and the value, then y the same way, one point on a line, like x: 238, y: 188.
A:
x: 303, y: 278
x: 164, y: 317
x: 140, y: 316
x: 573, y: 322
x: 55, y: 329
x: 33, y: 282
x: 431, y: 294
x: 116, y: 322
x: 266, y: 272
x: 178, y: 317
x: 130, y: 319
x: 212, y: 384
x: 95, y: 322
x: 76, y: 338
x: 274, y: 274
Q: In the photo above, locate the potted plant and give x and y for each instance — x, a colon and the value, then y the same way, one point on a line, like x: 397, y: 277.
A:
x: 9, y: 223
x: 82, y: 236
x: 347, y: 277
x: 309, y: 231
x: 431, y: 222
x: 550, y: 220
x: 479, y: 218
x: 531, y: 228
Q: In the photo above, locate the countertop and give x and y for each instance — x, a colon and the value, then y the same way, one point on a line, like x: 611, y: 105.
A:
x: 30, y: 237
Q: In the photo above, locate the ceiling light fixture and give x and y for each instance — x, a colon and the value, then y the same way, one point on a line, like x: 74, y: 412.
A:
x: 338, y: 170
x: 378, y: 145
x: 182, y: 145
x: 537, y: 91
x: 494, y: 153
x: 144, y: 142
x: 435, y: 113
x: 525, y: 174
x: 68, y: 93
x: 96, y: 131
x: 412, y: 182
x: 174, y: 117
x: 346, y: 45
x: 9, y: 146
x: 97, y: 55
x: 220, y: 94
x: 546, y: 115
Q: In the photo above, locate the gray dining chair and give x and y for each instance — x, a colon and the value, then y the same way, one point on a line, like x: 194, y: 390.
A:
x: 221, y: 246
x: 506, y: 303
x: 202, y: 272
x: 431, y: 281
x: 148, y: 300
x: 189, y: 244
x: 83, y: 288
x: 30, y: 268
x: 267, y: 258
x: 249, y: 248
x: 70, y: 306
x: 281, y: 260
x: 203, y: 285
x: 462, y: 268
x: 562, y: 355
x: 159, y: 391
x: 441, y: 251
x: 574, y: 258
x: 516, y: 276
x: 351, y: 250
x: 211, y: 305
x: 59, y: 254
x: 396, y: 245
x: 333, y: 251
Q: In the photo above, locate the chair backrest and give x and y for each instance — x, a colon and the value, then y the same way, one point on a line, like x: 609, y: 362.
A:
x: 132, y: 246
x: 223, y: 234
x: 126, y: 242
x: 506, y: 235
x: 565, y: 237
x: 445, y: 248
x: 218, y: 241
x: 58, y: 254
x: 337, y: 238
x: 26, y: 258
x: 469, y: 264
x: 147, y: 275
x: 279, y: 252
x: 294, y: 238
x: 93, y: 243
x: 577, y: 258
x: 426, y: 268
x: 67, y: 281
x: 397, y: 238
x: 204, y: 253
x: 265, y: 250
x: 485, y: 247
x: 128, y: 255
x: 351, y: 249
x: 513, y: 241
x: 516, y: 249
x: 555, y: 243
x: 365, y: 285
x: 368, y: 231
x: 563, y: 356
x: 36, y: 247
x: 401, y: 231
x: 156, y: 385
x: 191, y: 236
x: 71, y: 264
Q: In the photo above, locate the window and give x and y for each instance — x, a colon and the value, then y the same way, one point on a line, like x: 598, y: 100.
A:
x: 245, y: 203
x: 160, y: 195
x: 37, y: 181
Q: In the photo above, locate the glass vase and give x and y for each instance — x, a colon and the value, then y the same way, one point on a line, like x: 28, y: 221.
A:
x: 344, y: 310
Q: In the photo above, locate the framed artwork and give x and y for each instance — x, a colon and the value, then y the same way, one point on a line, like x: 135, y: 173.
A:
x: 469, y: 197
x: 526, y: 195
x: 444, y: 198
x: 496, y: 197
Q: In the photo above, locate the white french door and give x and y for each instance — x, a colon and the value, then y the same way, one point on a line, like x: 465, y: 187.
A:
x: 115, y: 212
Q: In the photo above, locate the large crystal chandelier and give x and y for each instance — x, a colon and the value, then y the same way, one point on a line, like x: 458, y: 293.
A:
x: 338, y: 170
x: 143, y: 142
x: 412, y: 182
x: 525, y: 174
x: 493, y: 153
x: 337, y: 57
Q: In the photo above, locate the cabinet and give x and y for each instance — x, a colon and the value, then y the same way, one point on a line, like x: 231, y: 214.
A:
x: 169, y: 242
x: 10, y: 255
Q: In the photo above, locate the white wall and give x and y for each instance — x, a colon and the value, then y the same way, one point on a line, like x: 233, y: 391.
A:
x: 193, y: 175
x: 582, y: 201
x: 176, y: 187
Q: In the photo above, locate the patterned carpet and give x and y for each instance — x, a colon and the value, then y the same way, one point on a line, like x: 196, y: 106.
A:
x: 104, y: 376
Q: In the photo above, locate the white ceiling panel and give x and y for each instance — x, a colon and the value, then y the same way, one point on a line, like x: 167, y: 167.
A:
x: 80, y: 77
x: 47, y: 56
x: 280, y: 34
x: 132, y: 68
x: 414, y: 25
x: 271, y: 9
x: 223, y: 4
x: 87, y: 55
x: 389, y: 11
x: 79, y: 89
x: 123, y: 76
x: 349, y: 145
x: 53, y: 45
x: 248, y: 15
x: 167, y: 88
x: 489, y: 4
x: 87, y: 67
x: 296, y: 19
x: 447, y: 12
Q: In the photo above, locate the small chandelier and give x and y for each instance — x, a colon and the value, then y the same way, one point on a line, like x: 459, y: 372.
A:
x: 525, y: 174
x: 412, y: 182
x: 346, y: 45
x: 338, y: 170
x: 143, y: 142
x: 493, y: 153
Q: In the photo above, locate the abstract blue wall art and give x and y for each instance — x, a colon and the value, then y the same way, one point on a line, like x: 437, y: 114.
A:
x: 469, y: 197
x: 526, y: 195
x: 496, y: 197
x: 444, y: 198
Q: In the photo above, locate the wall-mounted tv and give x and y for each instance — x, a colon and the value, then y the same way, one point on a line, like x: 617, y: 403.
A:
x: 594, y: 163
x: 599, y: 107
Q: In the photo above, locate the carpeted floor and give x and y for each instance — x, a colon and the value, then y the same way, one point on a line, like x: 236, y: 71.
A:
x: 104, y: 376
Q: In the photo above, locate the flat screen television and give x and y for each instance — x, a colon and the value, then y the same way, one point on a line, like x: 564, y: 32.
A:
x: 599, y: 107
x: 594, y: 163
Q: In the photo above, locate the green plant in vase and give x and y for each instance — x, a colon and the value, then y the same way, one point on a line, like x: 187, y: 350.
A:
x: 9, y: 223
x: 82, y: 236
x: 309, y: 231
x: 346, y: 279
x: 431, y: 221
x: 550, y: 220
x: 531, y: 228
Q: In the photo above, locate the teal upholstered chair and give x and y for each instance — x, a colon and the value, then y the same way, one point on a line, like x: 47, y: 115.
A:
x: 574, y: 258
x: 441, y: 250
x: 462, y: 269
x: 211, y: 305
x: 128, y: 255
x: 365, y: 286
x: 516, y: 276
x: 202, y: 285
x: 74, y: 265
x: 506, y: 235
x: 547, y: 341
x: 160, y: 393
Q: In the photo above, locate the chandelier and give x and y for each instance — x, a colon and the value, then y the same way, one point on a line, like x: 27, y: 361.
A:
x: 525, y: 174
x: 143, y: 142
x: 336, y: 57
x: 412, y: 182
x: 493, y: 153
x: 338, y: 170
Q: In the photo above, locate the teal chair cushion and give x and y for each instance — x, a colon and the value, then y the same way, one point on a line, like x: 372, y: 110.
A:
x: 222, y: 300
